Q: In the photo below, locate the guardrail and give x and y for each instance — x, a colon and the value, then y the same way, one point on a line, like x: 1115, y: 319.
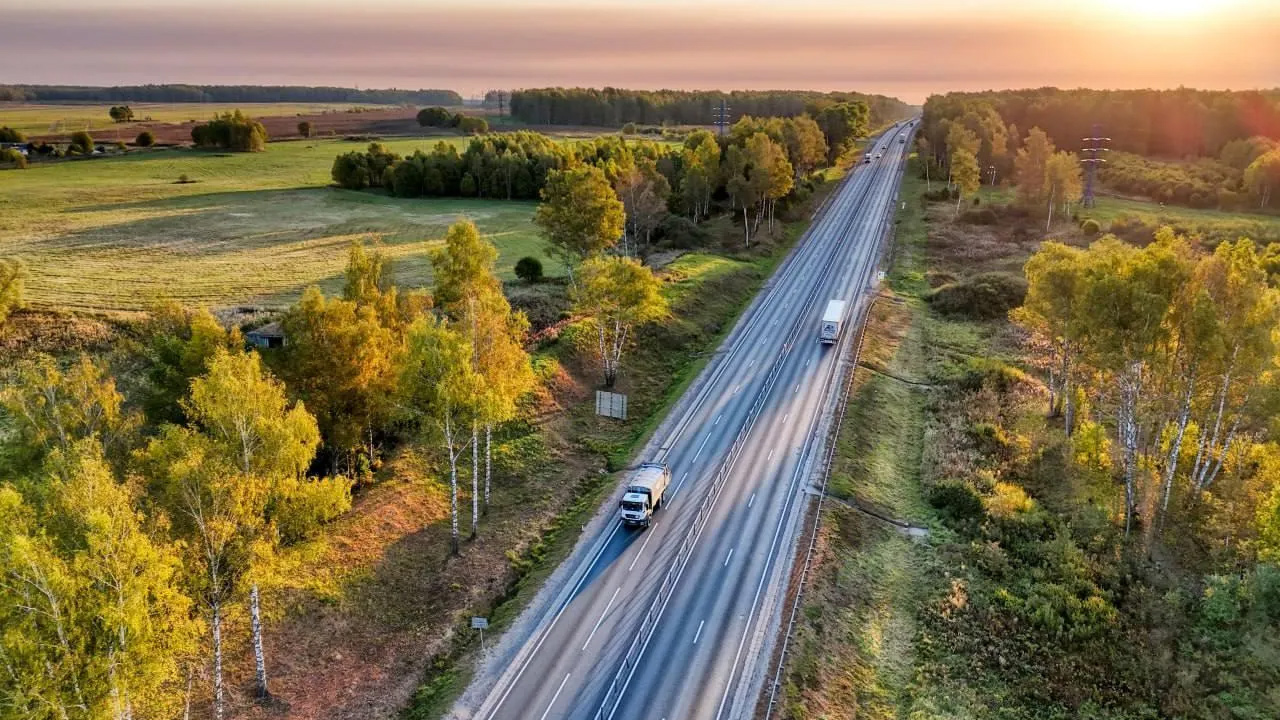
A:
x: 613, y: 695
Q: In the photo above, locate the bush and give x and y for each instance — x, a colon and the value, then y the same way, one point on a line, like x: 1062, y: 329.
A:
x: 529, y: 269
x: 1090, y: 227
x: 304, y: 129
x: 956, y: 501
x: 81, y: 142
x: 981, y: 216
x: 984, y: 296
x: 307, y: 504
x: 9, y: 135
x: 680, y: 232
x: 145, y: 139
x: 9, y: 156
x: 121, y: 113
x: 629, y: 129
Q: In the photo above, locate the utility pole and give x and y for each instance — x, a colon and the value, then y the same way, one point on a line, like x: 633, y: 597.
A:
x: 721, y: 116
x: 500, y: 109
x: 1093, y: 146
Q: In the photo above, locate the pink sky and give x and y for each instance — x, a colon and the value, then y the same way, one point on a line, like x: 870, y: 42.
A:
x: 814, y: 44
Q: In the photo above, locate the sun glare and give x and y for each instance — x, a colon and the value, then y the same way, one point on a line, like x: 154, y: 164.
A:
x: 1167, y: 9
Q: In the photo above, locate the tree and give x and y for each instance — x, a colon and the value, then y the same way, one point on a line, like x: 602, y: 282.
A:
x: 13, y: 274
x: 806, y: 144
x: 437, y: 117
x: 529, y: 269
x: 9, y: 135
x: 440, y: 391
x: 965, y: 173
x: 231, y: 131
x: 580, y: 215
x: 342, y: 361
x: 1031, y: 170
x: 81, y: 143
x: 121, y: 113
x: 1063, y: 183
x: 53, y: 409
x: 246, y: 417
x: 472, y: 125
x: 1051, y: 310
x: 95, y: 622
x: 304, y: 128
x: 643, y: 191
x: 1262, y: 177
x: 700, y: 159
x: 758, y: 174
x: 220, y: 512
x: 145, y: 139
x: 10, y: 156
x: 614, y: 297
x: 178, y: 344
x: 843, y: 123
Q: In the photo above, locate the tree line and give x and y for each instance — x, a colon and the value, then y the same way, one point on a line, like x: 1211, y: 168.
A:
x: 183, y: 93
x: 612, y: 107
x: 756, y: 165
x: 1167, y: 123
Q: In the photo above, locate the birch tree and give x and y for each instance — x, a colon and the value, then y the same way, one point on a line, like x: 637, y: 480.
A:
x: 700, y: 164
x: 615, y: 296
x: 1063, y: 183
x: 440, y: 390
x: 580, y: 215
x: 1051, y: 310
x: 965, y: 173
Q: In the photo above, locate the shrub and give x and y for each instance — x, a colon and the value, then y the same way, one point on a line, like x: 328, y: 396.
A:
x: 629, y: 129
x: 1090, y: 227
x: 9, y: 135
x: 981, y: 216
x: 81, y: 142
x: 304, y: 129
x: 183, y: 179
x: 956, y: 501
x: 145, y: 139
x: 9, y: 156
x: 121, y: 113
x: 680, y: 232
x: 529, y: 269
x: 308, y: 504
x: 984, y: 296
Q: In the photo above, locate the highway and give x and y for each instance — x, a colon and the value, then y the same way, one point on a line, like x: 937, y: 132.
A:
x: 677, y: 621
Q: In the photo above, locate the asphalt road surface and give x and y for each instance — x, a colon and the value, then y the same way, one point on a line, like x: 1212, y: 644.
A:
x: 709, y: 571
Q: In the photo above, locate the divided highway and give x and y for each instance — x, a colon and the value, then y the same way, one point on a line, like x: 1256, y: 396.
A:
x: 673, y: 622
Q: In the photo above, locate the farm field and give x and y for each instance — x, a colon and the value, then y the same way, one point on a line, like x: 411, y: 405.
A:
x: 59, y: 118
x: 118, y: 234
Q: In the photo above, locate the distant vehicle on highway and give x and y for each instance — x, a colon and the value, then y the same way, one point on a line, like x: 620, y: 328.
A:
x: 879, y: 155
x: 866, y: 158
x: 646, y: 491
x: 832, y: 322
x: 902, y: 140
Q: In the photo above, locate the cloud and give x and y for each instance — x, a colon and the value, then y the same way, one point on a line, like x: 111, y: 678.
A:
x: 666, y: 46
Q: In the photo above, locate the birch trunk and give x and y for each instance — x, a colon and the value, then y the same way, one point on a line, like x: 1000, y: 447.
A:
x: 1175, y: 449
x: 475, y: 480
x: 259, y: 657
x: 217, y: 660
x: 453, y: 487
x: 488, y: 461
x: 1129, y: 435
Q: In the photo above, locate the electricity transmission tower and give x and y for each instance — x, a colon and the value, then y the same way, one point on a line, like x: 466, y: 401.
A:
x: 720, y: 116
x: 1093, y: 146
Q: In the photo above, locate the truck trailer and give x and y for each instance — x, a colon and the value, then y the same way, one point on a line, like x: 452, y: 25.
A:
x: 646, y: 491
x: 832, y: 322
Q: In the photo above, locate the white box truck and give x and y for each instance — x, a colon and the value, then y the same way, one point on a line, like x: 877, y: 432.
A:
x: 646, y: 491
x: 832, y: 322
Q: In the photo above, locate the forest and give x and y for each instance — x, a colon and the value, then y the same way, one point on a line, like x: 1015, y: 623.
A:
x: 613, y: 107
x: 173, y: 93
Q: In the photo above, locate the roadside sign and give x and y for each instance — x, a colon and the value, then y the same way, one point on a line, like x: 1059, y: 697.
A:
x: 611, y: 404
x: 479, y: 623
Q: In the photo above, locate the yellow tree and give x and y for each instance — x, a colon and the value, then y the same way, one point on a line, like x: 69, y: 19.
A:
x: 1031, y: 169
x: 1063, y: 183
x: 615, y: 296
x: 965, y: 174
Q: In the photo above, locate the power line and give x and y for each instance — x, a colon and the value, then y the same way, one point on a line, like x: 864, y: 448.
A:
x: 720, y: 116
x: 1094, y: 145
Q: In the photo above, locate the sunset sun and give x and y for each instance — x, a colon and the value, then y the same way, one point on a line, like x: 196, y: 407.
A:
x: 1166, y: 9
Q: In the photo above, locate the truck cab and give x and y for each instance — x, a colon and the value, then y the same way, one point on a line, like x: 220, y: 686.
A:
x: 646, y: 490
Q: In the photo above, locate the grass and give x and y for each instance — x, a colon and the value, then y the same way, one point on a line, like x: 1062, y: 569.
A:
x: 854, y: 649
x: 44, y: 119
x: 117, y: 234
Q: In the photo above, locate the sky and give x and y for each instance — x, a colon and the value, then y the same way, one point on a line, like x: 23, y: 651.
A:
x: 908, y: 48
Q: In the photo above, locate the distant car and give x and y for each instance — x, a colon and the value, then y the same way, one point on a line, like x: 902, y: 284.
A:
x: 866, y: 158
x: 879, y: 155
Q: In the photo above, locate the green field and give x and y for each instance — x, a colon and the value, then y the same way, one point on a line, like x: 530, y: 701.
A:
x: 59, y: 118
x: 119, y: 234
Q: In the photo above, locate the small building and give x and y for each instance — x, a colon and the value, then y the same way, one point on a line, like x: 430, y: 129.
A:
x: 268, y: 336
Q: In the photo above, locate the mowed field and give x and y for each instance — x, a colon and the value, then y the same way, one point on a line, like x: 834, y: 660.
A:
x: 58, y: 118
x: 118, y: 234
